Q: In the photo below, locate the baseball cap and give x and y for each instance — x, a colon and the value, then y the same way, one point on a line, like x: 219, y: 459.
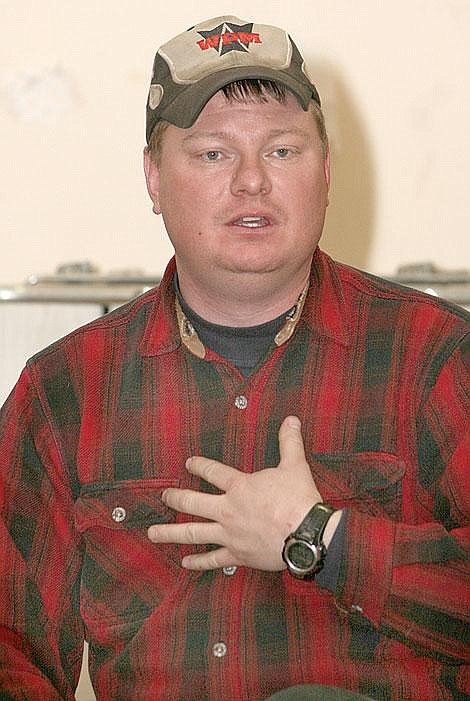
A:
x: 190, y: 68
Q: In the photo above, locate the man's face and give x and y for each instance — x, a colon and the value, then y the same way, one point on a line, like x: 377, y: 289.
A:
x: 243, y: 192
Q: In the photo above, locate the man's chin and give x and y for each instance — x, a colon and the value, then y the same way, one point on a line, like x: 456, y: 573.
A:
x: 251, y: 264
x: 251, y: 268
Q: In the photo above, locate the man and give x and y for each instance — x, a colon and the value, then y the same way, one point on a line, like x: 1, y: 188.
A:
x: 254, y: 476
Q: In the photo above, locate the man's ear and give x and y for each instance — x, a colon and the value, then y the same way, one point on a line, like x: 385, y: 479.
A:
x: 326, y: 167
x: 327, y: 172
x: 152, y: 178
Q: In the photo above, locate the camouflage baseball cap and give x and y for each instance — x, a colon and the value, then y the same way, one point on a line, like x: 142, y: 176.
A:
x: 190, y: 68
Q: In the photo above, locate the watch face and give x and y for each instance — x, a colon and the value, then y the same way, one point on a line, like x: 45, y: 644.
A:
x: 304, y: 552
x: 302, y: 555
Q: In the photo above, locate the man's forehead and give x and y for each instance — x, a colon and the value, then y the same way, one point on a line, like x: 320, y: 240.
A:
x: 226, y: 135
x: 229, y: 121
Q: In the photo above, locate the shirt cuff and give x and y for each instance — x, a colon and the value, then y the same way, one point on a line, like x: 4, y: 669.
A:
x: 328, y: 577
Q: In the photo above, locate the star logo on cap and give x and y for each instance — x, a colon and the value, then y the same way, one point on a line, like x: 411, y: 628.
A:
x: 229, y: 37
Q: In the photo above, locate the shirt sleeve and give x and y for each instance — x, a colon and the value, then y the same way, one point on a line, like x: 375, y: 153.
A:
x: 41, y: 635
x: 328, y: 577
x: 412, y: 580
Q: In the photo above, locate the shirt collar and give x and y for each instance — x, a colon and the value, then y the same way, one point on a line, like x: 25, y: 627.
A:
x: 320, y: 305
x: 161, y: 333
x: 324, y: 310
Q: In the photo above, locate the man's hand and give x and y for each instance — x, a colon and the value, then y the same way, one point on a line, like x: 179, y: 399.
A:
x: 257, y: 511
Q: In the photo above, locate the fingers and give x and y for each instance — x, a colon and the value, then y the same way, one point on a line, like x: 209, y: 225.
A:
x: 218, y: 474
x: 194, y: 534
x: 212, y: 560
x: 191, y: 502
x: 291, y: 445
x: 185, y: 533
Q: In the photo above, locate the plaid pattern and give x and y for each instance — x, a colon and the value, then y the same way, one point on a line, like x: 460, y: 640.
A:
x: 103, y: 420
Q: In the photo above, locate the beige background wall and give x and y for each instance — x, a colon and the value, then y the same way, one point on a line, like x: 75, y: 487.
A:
x: 73, y: 83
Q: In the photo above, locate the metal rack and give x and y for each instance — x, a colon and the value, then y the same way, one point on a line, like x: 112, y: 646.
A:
x: 81, y: 283
x: 453, y: 285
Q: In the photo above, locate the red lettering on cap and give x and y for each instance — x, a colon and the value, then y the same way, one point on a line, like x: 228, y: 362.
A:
x: 209, y: 42
x: 228, y: 38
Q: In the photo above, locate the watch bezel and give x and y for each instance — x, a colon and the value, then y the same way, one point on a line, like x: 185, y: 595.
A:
x: 318, y: 552
x: 310, y: 535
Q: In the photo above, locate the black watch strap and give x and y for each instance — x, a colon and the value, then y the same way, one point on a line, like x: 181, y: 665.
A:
x: 304, y: 551
x: 314, y: 524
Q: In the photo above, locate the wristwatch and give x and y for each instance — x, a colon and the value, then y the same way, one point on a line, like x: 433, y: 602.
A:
x: 304, y: 551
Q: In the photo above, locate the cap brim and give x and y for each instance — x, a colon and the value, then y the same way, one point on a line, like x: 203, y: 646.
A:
x: 185, y: 108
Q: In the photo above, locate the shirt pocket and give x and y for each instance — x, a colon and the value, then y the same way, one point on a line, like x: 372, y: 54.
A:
x: 370, y: 482
x: 124, y: 575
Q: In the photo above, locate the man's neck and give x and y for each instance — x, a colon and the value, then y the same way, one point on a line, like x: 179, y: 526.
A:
x: 246, y: 303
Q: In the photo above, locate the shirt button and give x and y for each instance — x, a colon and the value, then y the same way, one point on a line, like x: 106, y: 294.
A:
x: 219, y: 650
x: 229, y: 571
x: 241, y: 402
x: 118, y: 514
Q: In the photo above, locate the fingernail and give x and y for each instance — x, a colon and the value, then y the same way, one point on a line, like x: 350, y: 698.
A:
x: 188, y: 464
x: 164, y: 495
x: 293, y: 422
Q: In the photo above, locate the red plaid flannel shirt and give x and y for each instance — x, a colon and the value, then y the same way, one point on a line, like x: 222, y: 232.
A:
x: 103, y: 420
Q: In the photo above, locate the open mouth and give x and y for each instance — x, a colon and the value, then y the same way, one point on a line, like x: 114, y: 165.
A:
x: 252, y: 222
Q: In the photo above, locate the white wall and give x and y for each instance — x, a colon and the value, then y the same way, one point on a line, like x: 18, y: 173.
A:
x: 73, y: 85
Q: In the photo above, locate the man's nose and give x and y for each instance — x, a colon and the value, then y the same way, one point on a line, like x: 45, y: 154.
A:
x: 250, y: 177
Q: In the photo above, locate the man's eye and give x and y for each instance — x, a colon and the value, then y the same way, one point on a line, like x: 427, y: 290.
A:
x: 282, y: 152
x: 212, y: 155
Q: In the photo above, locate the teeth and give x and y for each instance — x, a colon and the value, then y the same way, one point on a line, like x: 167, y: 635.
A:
x: 252, y: 222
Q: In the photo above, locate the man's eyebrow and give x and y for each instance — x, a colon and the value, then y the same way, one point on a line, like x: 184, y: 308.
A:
x: 288, y: 130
